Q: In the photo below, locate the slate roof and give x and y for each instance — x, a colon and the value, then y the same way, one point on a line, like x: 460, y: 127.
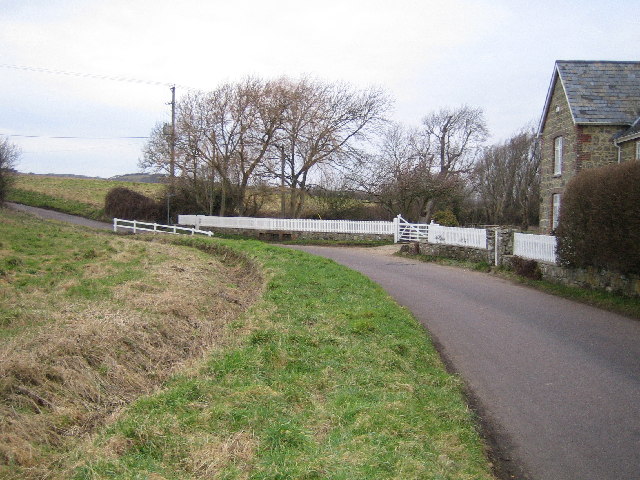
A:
x: 601, y: 92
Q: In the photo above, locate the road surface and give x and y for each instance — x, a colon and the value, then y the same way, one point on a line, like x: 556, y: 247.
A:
x: 556, y: 383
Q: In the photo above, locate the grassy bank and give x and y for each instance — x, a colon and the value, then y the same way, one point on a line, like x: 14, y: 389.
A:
x: 89, y: 322
x: 325, y: 378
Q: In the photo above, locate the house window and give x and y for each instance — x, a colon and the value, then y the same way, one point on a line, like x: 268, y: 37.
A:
x: 638, y: 150
x: 555, y: 209
x: 557, y: 156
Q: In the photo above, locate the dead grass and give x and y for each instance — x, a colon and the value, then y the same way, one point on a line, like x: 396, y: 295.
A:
x: 63, y: 379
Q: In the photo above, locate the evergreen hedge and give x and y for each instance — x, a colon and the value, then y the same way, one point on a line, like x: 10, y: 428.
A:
x: 600, y: 219
x: 121, y: 202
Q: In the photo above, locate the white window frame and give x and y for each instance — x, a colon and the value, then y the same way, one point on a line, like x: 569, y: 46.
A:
x: 556, y: 201
x: 638, y: 150
x: 558, y: 146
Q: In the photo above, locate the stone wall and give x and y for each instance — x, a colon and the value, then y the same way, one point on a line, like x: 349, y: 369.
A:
x: 628, y: 150
x: 596, y: 147
x: 558, y: 122
x: 459, y: 253
x: 274, y: 235
x: 594, y: 279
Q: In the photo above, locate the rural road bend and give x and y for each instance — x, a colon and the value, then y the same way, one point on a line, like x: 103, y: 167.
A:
x: 557, y: 382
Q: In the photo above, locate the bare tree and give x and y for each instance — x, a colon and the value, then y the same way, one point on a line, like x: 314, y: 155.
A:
x: 243, y: 133
x: 455, y: 137
x: 223, y: 135
x: 323, y: 124
x: 9, y: 155
x: 406, y: 175
x: 507, y: 180
x: 391, y: 176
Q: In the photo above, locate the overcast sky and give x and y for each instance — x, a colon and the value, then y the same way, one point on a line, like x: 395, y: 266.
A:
x: 493, y: 54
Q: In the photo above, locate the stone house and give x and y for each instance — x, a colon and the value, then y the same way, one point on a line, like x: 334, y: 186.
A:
x: 591, y: 118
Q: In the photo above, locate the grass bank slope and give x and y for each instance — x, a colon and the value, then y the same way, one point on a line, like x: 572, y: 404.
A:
x: 325, y: 378
x: 89, y: 322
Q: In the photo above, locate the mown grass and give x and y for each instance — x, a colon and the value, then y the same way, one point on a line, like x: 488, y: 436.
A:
x: 325, y: 378
x: 76, y: 196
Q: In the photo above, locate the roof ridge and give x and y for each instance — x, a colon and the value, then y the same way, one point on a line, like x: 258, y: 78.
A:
x: 598, y: 61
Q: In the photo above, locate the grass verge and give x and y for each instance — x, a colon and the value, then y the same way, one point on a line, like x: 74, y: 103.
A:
x: 612, y: 302
x: 326, y: 377
x: 42, y: 200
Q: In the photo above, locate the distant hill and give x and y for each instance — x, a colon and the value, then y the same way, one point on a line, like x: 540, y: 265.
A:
x: 63, y: 175
x: 140, y: 177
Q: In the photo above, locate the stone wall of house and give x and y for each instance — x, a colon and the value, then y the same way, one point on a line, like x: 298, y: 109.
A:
x: 595, y: 146
x: 628, y: 150
x: 558, y: 122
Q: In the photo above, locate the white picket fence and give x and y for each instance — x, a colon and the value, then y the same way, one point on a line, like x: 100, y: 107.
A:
x: 535, y: 247
x: 462, y: 237
x: 138, y: 226
x: 289, y: 224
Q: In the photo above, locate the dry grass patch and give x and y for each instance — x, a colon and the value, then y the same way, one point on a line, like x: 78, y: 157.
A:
x: 63, y: 374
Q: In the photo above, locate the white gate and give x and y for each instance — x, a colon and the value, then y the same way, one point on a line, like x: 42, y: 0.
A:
x: 409, y: 232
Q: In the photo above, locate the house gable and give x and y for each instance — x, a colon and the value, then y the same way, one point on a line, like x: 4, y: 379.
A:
x: 591, y: 105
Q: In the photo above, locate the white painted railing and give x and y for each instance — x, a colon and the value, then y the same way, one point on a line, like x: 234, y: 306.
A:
x: 289, y: 224
x: 137, y: 226
x: 535, y: 247
x: 462, y: 237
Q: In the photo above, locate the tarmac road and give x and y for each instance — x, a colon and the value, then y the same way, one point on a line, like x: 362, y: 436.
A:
x: 556, y: 383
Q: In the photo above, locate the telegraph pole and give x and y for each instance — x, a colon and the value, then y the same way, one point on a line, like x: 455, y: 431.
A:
x: 172, y: 164
x: 172, y: 159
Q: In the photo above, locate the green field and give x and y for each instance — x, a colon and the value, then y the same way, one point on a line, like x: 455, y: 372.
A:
x: 76, y: 196
x: 323, y: 377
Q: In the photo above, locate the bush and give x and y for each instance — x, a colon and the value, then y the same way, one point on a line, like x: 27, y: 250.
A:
x: 123, y: 203
x: 526, y: 268
x: 446, y: 218
x: 600, y: 219
x: 9, y: 155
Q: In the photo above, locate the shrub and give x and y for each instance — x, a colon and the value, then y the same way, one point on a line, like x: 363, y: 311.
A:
x: 600, y: 219
x: 526, y: 268
x: 123, y: 203
x: 446, y: 218
x: 9, y: 155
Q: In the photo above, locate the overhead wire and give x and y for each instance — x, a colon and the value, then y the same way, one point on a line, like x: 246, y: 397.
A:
x: 86, y: 75
x: 114, y: 78
x: 72, y: 137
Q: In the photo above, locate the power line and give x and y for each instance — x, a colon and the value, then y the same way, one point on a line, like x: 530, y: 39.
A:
x: 73, y: 137
x: 114, y: 78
